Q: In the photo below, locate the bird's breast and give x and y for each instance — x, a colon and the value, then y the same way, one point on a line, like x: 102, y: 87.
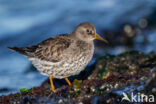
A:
x: 72, y: 63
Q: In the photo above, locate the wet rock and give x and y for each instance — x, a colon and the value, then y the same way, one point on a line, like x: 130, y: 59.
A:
x: 131, y: 71
x: 150, y: 85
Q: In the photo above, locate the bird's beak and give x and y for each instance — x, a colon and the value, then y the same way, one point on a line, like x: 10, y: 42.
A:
x: 96, y: 36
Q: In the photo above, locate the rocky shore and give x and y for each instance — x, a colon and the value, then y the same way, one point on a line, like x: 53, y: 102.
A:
x: 110, y: 78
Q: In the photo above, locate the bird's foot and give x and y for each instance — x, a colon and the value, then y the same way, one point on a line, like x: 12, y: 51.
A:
x: 53, y: 90
x: 67, y: 80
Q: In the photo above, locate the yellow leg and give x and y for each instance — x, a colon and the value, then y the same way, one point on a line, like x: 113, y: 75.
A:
x: 51, y: 82
x: 68, y: 81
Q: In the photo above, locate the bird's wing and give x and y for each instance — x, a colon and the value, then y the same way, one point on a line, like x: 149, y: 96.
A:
x: 52, y: 49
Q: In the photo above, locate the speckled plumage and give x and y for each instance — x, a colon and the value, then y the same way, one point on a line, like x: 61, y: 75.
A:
x: 63, y: 61
x: 63, y: 55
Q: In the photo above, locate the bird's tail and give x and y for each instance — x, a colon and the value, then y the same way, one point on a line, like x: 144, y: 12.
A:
x: 19, y: 50
x: 24, y: 51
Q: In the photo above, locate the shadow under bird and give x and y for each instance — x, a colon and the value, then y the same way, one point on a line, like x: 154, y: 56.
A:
x: 63, y: 55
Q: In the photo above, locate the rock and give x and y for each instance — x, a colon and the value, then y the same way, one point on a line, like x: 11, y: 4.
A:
x: 113, y: 75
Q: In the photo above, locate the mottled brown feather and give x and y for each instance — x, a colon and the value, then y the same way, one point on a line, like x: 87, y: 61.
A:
x: 53, y: 48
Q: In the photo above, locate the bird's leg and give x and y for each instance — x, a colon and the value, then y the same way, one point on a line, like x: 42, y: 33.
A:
x: 51, y: 82
x: 68, y: 81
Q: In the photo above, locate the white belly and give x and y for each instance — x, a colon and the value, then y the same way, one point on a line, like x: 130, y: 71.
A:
x: 64, y: 68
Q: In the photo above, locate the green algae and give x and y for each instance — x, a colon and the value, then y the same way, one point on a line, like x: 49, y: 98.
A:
x: 25, y: 90
x: 77, y: 84
x: 102, y: 72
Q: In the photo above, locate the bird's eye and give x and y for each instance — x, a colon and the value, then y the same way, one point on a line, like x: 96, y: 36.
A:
x: 87, y: 30
x: 90, y: 32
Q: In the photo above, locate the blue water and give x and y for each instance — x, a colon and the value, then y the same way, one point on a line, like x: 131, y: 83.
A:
x: 28, y: 22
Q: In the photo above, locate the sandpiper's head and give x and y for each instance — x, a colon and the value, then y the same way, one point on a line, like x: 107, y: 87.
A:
x: 86, y: 31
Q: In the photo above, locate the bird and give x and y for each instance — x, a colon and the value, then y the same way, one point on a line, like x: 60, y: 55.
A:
x: 63, y: 55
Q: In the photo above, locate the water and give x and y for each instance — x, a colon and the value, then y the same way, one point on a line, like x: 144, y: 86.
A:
x: 28, y: 22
